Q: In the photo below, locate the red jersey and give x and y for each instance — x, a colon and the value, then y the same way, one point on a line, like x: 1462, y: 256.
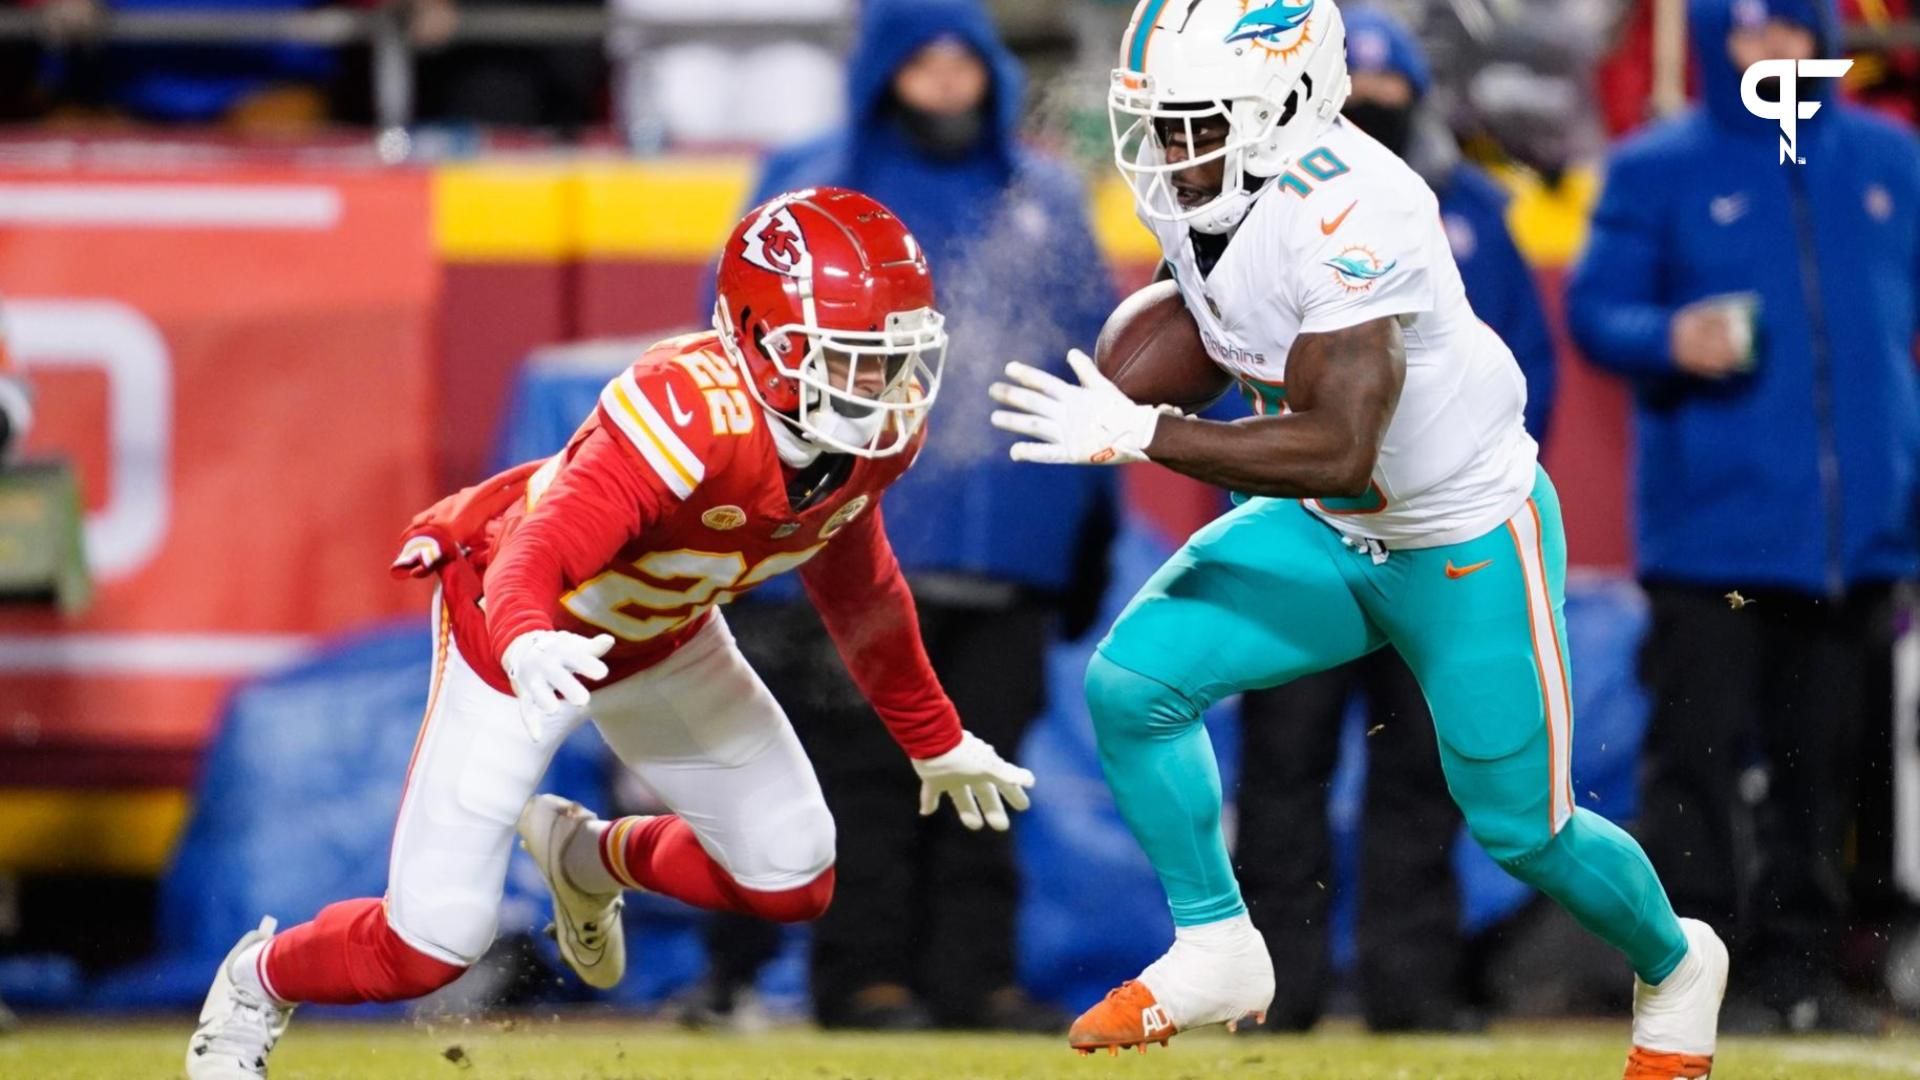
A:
x: 671, y: 499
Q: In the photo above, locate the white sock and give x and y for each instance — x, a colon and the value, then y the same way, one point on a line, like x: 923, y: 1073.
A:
x: 1214, y: 972
x: 1225, y: 936
x: 581, y: 862
x: 245, y: 971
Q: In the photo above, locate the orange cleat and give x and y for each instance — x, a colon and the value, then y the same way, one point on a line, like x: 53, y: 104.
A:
x: 1127, y: 1017
x: 1661, y: 1065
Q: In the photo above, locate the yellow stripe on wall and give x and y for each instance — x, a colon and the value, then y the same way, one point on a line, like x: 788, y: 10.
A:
x: 680, y: 210
x: 674, y: 209
x: 502, y: 212
x: 99, y: 830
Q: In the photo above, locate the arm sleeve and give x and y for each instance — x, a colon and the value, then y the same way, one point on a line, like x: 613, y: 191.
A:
x: 1614, y: 307
x: 1377, y: 263
x: 647, y: 454
x: 862, y: 597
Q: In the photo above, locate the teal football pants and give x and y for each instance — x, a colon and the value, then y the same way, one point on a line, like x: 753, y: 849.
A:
x: 1268, y: 593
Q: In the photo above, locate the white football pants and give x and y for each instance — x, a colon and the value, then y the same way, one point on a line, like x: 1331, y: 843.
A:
x: 699, y: 729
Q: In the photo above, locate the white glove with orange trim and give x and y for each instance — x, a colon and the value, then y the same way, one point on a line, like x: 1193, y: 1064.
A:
x: 1089, y: 424
x: 545, y: 667
x: 977, y: 779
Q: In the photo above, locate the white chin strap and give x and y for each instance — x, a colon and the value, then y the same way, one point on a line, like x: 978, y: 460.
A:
x: 1226, y: 211
x: 798, y: 451
x: 854, y: 431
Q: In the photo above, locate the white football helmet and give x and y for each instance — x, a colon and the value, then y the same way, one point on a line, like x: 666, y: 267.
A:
x: 1276, y: 70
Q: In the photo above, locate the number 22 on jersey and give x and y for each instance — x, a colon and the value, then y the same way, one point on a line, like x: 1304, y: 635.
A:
x: 727, y: 405
x: 604, y: 600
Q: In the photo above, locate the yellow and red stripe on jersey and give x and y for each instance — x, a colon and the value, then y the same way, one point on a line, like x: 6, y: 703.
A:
x: 635, y: 416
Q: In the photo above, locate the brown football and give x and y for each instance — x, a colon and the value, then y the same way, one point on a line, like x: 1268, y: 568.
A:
x: 1150, y: 348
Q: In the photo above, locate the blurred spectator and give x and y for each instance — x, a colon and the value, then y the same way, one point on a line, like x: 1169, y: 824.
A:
x: 738, y: 83
x: 1886, y: 78
x: 1409, y: 910
x: 1518, y: 77
x: 1764, y: 313
x: 933, y: 104
x: 536, y: 85
x: 22, y: 95
x: 1624, y: 78
x: 263, y: 86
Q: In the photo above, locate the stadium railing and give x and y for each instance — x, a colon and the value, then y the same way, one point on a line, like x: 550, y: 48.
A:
x: 384, y: 31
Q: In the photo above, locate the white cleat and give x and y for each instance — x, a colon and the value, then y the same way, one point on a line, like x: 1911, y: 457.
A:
x: 1214, y: 974
x: 586, y: 925
x: 238, y: 1028
x: 1677, y: 1023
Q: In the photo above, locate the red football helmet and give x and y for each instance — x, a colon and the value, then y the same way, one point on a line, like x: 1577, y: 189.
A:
x: 820, y: 290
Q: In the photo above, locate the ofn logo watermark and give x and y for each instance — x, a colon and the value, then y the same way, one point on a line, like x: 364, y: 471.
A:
x: 1789, y: 110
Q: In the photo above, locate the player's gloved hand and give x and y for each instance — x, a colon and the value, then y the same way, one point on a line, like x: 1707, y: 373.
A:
x: 977, y: 780
x: 545, y: 667
x: 1089, y: 424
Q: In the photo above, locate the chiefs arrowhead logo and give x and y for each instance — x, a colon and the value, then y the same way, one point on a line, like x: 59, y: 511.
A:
x: 774, y: 242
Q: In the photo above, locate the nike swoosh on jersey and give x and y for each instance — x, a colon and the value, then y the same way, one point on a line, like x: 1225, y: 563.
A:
x: 681, y: 417
x: 1457, y: 572
x: 1327, y: 227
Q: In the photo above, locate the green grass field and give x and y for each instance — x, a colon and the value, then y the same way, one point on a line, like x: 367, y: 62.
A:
x: 570, y: 1049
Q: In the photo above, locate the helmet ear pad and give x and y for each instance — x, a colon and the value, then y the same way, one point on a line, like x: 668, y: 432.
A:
x: 1270, y: 156
x: 781, y: 352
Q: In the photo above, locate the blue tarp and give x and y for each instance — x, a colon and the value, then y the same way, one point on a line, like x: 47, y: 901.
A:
x: 295, y: 808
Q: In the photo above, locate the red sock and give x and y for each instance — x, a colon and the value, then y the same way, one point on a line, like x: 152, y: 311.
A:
x: 348, y: 954
x: 661, y: 854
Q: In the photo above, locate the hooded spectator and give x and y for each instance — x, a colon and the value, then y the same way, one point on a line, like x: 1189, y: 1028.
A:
x: 933, y: 116
x: 1763, y: 311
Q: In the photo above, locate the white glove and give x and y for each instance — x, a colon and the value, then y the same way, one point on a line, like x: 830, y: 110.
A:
x: 976, y: 779
x: 545, y: 667
x: 1089, y: 424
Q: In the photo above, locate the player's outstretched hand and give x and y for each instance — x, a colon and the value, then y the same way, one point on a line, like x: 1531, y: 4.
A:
x: 1089, y: 424
x: 545, y: 667
x: 977, y: 779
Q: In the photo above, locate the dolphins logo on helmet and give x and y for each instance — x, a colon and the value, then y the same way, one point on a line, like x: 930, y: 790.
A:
x: 1266, y: 26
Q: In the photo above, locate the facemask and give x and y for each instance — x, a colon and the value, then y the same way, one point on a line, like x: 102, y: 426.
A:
x: 942, y: 136
x: 1391, y: 125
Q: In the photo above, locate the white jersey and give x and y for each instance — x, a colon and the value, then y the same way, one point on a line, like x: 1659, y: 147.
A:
x: 1349, y: 233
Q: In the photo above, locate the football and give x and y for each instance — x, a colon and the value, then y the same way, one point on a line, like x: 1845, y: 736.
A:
x: 1150, y: 347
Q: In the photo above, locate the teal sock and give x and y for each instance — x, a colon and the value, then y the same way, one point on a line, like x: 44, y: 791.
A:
x: 1160, y: 766
x: 1600, y: 875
